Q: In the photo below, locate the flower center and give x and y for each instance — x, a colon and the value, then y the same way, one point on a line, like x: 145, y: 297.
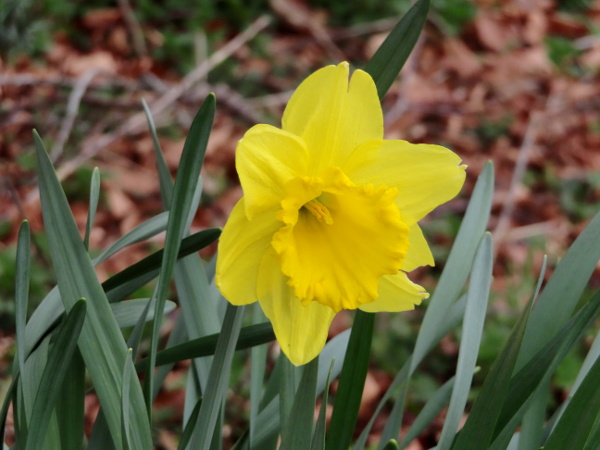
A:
x: 319, y: 210
x: 339, y: 239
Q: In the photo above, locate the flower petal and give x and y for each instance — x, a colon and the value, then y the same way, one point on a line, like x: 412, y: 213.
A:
x: 333, y: 116
x: 300, y: 330
x: 266, y: 159
x: 425, y: 175
x: 396, y: 293
x: 419, y: 253
x: 242, y: 246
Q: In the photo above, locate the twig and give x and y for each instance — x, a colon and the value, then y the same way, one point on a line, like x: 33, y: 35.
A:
x: 137, y: 34
x: 72, y: 108
x: 93, y: 145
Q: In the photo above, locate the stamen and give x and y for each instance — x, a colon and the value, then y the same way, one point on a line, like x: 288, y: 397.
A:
x: 320, y: 211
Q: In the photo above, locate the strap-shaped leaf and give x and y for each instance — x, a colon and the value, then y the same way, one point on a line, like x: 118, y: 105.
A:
x: 101, y: 343
x: 54, y: 373
x: 22, y: 291
x: 352, y: 380
x: 94, y: 197
x: 388, y: 60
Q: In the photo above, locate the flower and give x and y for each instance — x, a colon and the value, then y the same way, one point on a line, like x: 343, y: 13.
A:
x: 328, y: 219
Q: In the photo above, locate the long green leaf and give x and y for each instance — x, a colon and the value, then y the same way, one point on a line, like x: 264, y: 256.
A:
x: 352, y: 380
x: 386, y: 63
x: 477, y: 300
x: 181, y: 201
x: 94, y: 197
x: 577, y: 422
x: 524, y: 383
x: 164, y: 176
x: 249, y: 337
x: 189, y: 428
x: 127, y: 442
x: 101, y: 343
x: 127, y: 313
x: 22, y: 290
x: 218, y: 378
x: 54, y: 374
x: 478, y: 430
x: 70, y: 407
x: 318, y: 442
x: 430, y: 411
x: 301, y: 419
x: 563, y: 291
x: 258, y: 360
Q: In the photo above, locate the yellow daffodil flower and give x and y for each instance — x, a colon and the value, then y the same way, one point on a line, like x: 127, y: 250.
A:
x: 328, y: 220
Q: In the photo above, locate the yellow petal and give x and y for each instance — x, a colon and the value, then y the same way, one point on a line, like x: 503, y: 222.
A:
x: 333, y: 116
x: 300, y: 330
x: 425, y: 175
x: 266, y: 159
x: 419, y: 253
x: 396, y: 293
x: 242, y: 245
x: 337, y: 246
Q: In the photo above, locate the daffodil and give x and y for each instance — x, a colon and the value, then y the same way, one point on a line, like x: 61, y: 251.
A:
x: 329, y: 216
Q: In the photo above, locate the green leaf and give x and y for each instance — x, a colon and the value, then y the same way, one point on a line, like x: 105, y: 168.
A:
x: 577, y: 422
x: 101, y: 344
x: 54, y: 373
x: 127, y: 367
x: 12, y: 389
x: 477, y: 300
x: 218, y: 378
x: 479, y: 428
x: 388, y: 60
x: 352, y: 380
x: 22, y: 290
x: 525, y: 382
x: 189, y: 428
x: 94, y: 196
x: 301, y: 418
x: 164, y: 175
x: 128, y: 312
x: 249, y: 337
x: 563, y: 291
x: 532, y: 426
x: 70, y: 407
x: 181, y: 201
x: 139, y: 274
x: 258, y: 361
x: 318, y: 442
x: 288, y: 384
x: 430, y: 411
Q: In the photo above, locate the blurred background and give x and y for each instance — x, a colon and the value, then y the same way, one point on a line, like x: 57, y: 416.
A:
x: 512, y: 81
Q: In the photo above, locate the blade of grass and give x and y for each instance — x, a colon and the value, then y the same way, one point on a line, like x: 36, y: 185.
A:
x: 563, y: 291
x: 101, y: 343
x: 301, y: 418
x: 218, y: 378
x: 532, y: 426
x: 351, y: 384
x: 94, y: 196
x: 288, y: 385
x: 388, y: 60
x: 477, y: 300
x: 189, y: 428
x: 54, y: 373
